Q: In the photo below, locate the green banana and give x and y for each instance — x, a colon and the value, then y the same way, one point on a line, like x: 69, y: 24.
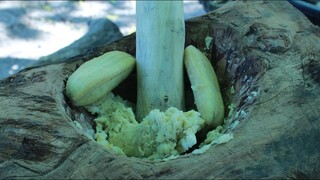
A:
x: 205, y: 86
x: 97, y: 77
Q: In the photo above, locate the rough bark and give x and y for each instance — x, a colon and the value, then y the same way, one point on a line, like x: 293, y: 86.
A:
x: 268, y: 49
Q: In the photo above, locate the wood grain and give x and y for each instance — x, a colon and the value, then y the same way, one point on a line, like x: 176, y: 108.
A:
x: 263, y: 47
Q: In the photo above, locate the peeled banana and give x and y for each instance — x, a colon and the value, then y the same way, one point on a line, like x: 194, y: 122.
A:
x: 97, y: 77
x: 205, y: 86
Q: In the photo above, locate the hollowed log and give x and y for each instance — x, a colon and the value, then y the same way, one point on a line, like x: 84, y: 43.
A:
x: 266, y: 50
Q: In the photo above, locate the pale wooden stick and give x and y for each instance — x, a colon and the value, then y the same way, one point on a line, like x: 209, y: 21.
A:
x: 160, y: 39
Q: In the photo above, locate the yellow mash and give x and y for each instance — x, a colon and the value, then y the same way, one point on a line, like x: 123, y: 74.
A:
x: 159, y: 135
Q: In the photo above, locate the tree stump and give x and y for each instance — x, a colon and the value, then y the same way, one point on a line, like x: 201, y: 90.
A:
x: 267, y: 51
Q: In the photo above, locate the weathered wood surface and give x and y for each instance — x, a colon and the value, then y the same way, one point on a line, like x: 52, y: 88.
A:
x: 260, y: 46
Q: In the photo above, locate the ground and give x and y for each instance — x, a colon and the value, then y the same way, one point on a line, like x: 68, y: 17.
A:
x: 32, y: 29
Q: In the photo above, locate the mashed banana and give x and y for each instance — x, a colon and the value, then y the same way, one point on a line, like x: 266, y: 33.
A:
x: 159, y: 135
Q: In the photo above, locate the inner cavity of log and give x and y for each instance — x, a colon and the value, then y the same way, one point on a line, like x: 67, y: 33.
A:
x: 238, y: 76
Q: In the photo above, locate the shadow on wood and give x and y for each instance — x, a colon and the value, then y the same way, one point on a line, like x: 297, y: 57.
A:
x: 268, y: 51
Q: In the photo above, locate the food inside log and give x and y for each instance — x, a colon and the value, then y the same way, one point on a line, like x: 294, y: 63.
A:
x: 160, y: 134
x: 266, y: 57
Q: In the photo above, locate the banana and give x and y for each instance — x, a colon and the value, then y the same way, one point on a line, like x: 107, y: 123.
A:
x: 97, y: 77
x: 205, y: 86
